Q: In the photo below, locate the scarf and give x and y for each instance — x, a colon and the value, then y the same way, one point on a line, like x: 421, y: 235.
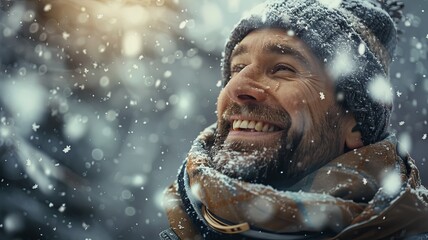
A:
x: 362, y: 194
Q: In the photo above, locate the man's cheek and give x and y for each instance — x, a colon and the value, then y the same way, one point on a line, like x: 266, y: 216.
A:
x: 221, y: 104
x: 300, y: 113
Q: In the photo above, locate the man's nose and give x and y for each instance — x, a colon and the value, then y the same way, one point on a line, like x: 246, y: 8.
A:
x: 247, y: 86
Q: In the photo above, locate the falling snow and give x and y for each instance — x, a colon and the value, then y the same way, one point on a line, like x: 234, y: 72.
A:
x: 343, y: 64
x: 35, y: 127
x: 399, y: 93
x: 65, y: 35
x: 62, y: 208
x: 66, y: 149
x: 85, y: 226
x: 47, y: 7
x: 380, y: 90
x: 361, y: 49
x: 391, y: 183
x: 129, y: 86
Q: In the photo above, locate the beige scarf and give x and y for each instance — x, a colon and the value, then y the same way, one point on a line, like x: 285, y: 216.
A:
x: 341, y: 200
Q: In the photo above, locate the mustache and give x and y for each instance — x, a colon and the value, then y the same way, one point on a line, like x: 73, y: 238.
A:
x: 261, y: 112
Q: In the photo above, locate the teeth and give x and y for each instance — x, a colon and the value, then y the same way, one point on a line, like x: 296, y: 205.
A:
x: 251, y: 124
x: 259, y: 126
x: 265, y: 128
x: 236, y: 124
x: 254, y: 125
x: 244, y: 124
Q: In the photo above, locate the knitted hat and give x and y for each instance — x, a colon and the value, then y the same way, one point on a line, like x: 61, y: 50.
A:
x: 361, y: 33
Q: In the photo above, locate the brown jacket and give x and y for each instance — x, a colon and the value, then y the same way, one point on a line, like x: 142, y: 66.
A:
x: 354, y: 193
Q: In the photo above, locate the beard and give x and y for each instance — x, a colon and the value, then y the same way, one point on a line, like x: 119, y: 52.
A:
x: 280, y: 162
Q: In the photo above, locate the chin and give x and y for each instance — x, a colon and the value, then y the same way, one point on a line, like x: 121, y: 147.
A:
x: 250, y: 162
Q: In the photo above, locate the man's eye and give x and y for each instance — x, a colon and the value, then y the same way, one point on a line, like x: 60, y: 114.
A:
x: 237, y: 68
x: 282, y: 67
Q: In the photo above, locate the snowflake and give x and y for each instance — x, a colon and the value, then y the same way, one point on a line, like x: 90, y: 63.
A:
x: 167, y: 74
x: 62, y: 208
x: 364, y: 181
x: 35, y: 127
x: 401, y: 123
x: 361, y: 49
x: 65, y: 35
x: 322, y: 96
x: 380, y: 90
x: 47, y: 7
x: 391, y: 183
x: 424, y: 136
x: 67, y: 149
x: 85, y: 225
x: 182, y: 24
x: 399, y: 93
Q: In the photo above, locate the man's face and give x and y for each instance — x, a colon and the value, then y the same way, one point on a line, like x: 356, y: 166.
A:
x: 277, y: 116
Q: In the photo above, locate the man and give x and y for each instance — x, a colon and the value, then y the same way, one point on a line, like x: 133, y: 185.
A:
x: 301, y: 148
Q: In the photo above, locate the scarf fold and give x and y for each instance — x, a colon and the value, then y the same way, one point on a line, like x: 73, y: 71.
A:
x: 333, y: 201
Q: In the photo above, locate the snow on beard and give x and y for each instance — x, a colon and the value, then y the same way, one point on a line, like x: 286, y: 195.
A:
x: 287, y: 158
x: 252, y: 162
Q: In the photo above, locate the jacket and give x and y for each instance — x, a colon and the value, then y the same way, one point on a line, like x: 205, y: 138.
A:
x: 367, y: 193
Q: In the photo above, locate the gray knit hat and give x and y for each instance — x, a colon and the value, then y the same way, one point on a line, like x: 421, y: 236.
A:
x: 361, y: 32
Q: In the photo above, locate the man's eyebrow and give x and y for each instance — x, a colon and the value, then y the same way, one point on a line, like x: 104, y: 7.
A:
x: 285, y: 50
x: 275, y: 48
x: 239, y: 50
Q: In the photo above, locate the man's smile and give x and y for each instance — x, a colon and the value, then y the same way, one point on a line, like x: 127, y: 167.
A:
x: 252, y: 126
x: 241, y: 126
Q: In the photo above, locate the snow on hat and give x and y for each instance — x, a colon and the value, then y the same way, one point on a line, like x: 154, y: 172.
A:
x: 355, y: 39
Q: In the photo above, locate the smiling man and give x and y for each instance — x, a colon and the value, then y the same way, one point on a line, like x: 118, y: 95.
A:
x: 278, y: 106
x: 301, y: 148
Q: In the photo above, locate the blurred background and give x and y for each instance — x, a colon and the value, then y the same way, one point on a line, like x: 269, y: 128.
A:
x: 101, y: 99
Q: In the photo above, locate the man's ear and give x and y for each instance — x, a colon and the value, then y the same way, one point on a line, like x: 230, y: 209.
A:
x: 352, y: 133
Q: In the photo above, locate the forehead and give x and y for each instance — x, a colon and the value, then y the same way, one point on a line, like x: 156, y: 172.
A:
x: 269, y: 34
x: 259, y: 39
